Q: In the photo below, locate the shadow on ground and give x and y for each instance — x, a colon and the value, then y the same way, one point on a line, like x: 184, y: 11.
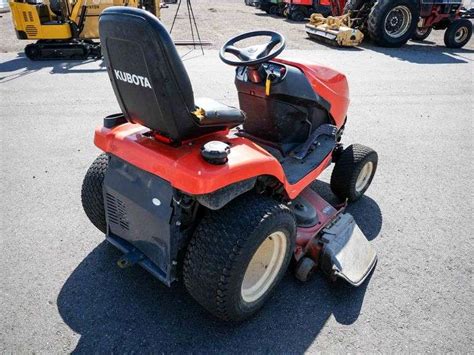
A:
x: 129, y: 311
x: 21, y: 66
x: 420, y: 53
x: 423, y: 53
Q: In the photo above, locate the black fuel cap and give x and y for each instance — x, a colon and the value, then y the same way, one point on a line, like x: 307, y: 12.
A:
x: 215, y: 152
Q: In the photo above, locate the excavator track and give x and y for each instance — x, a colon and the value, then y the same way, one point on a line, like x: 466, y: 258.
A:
x: 67, y: 50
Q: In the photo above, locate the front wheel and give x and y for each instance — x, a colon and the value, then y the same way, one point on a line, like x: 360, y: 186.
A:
x: 353, y: 173
x: 238, y: 255
x: 458, y: 33
x: 421, y: 33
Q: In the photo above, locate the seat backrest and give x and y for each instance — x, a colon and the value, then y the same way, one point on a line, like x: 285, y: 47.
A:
x: 147, y: 74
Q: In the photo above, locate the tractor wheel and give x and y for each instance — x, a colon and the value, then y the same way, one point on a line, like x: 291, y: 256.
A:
x: 297, y: 16
x: 353, y: 172
x: 91, y: 194
x: 273, y: 10
x: 421, y: 34
x: 392, y: 23
x: 238, y: 255
x: 458, y: 33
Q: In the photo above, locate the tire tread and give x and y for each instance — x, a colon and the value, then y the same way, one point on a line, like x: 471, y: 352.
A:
x: 91, y: 192
x: 211, y: 259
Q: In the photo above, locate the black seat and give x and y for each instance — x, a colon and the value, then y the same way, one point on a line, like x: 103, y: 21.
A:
x: 150, y: 81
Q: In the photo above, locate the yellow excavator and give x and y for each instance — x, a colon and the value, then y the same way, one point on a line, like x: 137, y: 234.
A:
x: 65, y: 29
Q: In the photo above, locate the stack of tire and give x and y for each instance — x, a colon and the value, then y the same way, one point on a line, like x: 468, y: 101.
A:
x: 391, y: 23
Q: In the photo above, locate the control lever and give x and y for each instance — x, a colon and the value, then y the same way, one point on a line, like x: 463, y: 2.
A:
x: 268, y: 83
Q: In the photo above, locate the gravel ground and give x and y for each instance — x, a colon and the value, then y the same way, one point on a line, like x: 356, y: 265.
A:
x: 218, y: 21
x: 61, y: 291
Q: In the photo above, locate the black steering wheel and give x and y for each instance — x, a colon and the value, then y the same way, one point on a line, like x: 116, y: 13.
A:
x: 256, y: 54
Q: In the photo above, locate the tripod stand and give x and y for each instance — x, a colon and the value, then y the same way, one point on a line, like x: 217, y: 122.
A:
x: 192, y: 25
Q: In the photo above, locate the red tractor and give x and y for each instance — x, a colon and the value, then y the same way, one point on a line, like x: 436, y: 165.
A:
x: 391, y: 23
x: 298, y: 10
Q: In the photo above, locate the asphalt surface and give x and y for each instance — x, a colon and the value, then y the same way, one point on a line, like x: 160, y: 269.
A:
x: 60, y: 290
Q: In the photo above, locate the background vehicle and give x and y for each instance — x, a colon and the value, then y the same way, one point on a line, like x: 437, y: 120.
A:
x: 391, y: 23
x: 65, y: 29
x: 298, y: 10
x: 272, y: 7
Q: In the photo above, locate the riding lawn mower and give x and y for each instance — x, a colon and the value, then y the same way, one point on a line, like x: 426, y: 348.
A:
x: 217, y: 196
x: 391, y: 23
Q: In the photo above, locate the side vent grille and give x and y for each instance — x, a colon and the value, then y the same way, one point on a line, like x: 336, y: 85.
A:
x: 116, y: 211
x: 31, y: 31
x: 25, y: 16
x: 30, y: 15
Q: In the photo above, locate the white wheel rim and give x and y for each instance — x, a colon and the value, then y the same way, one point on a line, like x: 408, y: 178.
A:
x: 398, y: 21
x: 264, y: 267
x: 364, y: 176
x: 461, y: 34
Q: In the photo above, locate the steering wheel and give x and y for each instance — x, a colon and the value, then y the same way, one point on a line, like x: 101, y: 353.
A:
x: 256, y: 54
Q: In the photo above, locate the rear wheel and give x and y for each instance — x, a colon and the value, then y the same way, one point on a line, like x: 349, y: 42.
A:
x: 238, y: 255
x: 458, y: 33
x: 421, y: 33
x: 91, y: 194
x: 297, y: 15
x: 354, y: 170
x: 392, y: 23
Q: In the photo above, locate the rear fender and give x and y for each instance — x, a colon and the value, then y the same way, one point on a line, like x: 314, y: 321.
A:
x: 185, y: 169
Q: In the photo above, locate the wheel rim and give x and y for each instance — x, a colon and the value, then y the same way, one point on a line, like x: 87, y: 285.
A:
x: 364, y: 176
x: 398, y: 21
x: 264, y: 267
x: 422, y: 31
x: 461, y: 34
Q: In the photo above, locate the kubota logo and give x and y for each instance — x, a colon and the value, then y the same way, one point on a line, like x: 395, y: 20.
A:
x: 132, y: 78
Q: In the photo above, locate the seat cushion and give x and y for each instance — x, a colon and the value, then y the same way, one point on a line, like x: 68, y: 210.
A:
x: 213, y: 113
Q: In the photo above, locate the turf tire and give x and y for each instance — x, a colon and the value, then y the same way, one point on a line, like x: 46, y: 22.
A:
x: 221, y: 249
x: 91, y: 193
x: 347, y: 169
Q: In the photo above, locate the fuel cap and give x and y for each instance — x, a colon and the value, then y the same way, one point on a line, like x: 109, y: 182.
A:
x: 215, y: 152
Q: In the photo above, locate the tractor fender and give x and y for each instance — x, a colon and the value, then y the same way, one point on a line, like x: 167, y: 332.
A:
x: 187, y: 171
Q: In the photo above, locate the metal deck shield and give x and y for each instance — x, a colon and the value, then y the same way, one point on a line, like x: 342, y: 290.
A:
x: 347, y: 253
x: 139, y: 209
